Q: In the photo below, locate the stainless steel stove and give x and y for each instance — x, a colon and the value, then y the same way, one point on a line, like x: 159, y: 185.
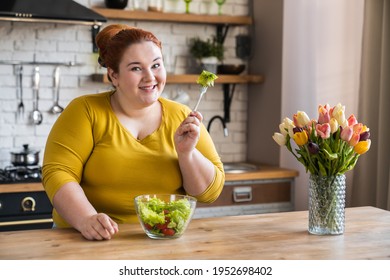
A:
x: 21, y: 174
x: 23, y: 210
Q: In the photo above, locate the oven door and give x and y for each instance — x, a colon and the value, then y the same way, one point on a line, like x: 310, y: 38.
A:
x: 25, y: 211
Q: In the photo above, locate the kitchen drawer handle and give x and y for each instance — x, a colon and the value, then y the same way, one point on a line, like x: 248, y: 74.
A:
x: 28, y: 204
x: 25, y: 222
x: 242, y: 194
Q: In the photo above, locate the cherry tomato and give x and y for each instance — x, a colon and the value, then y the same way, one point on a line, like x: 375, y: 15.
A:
x: 148, y: 227
x: 161, y: 226
x: 168, y: 231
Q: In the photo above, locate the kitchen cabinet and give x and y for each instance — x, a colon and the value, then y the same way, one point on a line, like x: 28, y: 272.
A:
x: 269, y: 189
x: 24, y: 206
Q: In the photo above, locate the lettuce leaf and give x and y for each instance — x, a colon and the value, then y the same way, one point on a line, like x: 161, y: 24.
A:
x: 206, y: 79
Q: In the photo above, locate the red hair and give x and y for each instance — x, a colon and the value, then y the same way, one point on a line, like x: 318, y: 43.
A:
x: 114, y: 39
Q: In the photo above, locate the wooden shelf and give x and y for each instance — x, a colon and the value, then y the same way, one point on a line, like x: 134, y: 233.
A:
x: 222, y: 79
x: 174, y: 17
x: 191, y: 79
x: 221, y: 21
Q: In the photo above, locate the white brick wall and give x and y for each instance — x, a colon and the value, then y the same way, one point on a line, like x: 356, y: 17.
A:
x: 63, y: 43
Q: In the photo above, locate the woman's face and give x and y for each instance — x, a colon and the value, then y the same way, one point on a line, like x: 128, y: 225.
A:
x: 142, y: 76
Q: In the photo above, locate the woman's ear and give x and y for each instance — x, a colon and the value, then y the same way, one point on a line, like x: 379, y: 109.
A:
x: 113, y: 76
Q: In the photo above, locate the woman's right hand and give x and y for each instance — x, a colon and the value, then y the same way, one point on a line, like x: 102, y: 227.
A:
x: 99, y: 227
x: 72, y: 204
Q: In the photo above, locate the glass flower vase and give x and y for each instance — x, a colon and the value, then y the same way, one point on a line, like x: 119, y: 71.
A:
x: 326, y: 204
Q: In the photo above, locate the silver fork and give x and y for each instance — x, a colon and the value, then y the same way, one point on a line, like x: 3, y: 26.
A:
x: 202, y: 92
x: 20, y: 84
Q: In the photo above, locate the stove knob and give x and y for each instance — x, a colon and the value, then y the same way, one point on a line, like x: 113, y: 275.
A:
x: 28, y: 204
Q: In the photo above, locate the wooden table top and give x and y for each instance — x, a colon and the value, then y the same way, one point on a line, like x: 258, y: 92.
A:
x: 263, y: 236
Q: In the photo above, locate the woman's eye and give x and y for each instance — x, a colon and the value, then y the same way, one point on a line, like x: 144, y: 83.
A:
x: 157, y: 65
x: 135, y: 69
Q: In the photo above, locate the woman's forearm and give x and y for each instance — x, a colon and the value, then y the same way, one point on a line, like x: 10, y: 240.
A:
x: 198, y: 172
x: 71, y: 203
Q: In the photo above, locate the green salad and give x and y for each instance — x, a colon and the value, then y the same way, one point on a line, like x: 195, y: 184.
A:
x: 206, y: 79
x: 164, y: 218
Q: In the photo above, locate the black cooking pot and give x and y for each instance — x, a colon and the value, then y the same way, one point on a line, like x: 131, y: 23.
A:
x: 26, y: 156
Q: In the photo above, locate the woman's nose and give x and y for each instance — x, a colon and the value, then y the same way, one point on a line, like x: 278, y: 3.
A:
x: 148, y: 75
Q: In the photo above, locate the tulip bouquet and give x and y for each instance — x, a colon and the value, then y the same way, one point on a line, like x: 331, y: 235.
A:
x: 327, y: 146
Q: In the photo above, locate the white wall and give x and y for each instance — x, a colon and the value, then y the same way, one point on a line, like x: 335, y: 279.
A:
x: 64, y: 43
x: 321, y: 64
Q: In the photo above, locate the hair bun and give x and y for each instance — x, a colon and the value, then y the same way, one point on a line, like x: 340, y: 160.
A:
x: 103, y: 38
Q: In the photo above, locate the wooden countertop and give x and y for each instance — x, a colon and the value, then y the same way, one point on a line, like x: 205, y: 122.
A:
x: 263, y: 236
x: 264, y: 172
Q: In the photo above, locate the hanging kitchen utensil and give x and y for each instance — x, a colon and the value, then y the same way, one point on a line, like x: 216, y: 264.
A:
x: 20, y: 112
x: 56, y: 108
x: 36, y: 114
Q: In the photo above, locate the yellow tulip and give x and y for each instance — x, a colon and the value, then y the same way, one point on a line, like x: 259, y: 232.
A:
x: 301, y: 138
x: 362, y: 147
x: 334, y: 125
x: 365, y: 128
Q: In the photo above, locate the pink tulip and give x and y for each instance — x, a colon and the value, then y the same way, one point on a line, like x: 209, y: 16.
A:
x: 354, y: 139
x: 352, y: 120
x: 357, y: 128
x: 323, y: 114
x: 323, y: 130
x: 346, y: 133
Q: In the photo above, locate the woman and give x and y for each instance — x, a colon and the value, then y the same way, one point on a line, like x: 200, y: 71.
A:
x: 107, y: 148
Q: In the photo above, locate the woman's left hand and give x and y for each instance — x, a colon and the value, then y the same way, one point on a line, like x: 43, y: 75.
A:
x: 187, y: 134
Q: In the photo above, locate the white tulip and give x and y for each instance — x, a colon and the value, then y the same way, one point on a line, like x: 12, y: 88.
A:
x: 279, y: 138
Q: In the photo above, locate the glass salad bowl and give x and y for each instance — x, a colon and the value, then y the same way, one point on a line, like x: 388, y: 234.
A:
x: 164, y: 216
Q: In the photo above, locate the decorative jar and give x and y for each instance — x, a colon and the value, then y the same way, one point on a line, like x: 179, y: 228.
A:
x: 116, y: 4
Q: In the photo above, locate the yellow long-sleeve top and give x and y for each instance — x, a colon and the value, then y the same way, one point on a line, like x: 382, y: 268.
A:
x: 88, y: 145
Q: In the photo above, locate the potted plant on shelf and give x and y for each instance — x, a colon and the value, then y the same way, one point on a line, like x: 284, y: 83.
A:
x: 209, y: 53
